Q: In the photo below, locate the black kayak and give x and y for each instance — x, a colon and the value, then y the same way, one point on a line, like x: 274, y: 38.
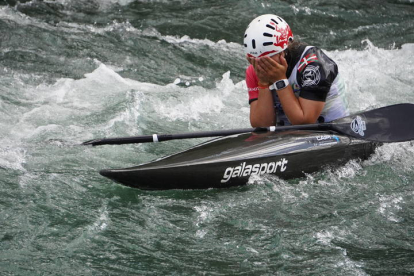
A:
x: 231, y: 160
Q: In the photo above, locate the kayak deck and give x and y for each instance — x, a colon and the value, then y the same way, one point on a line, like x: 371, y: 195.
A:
x: 231, y: 160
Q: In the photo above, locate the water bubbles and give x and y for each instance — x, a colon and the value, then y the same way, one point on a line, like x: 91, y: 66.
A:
x: 12, y: 157
x: 389, y: 206
x: 187, y: 80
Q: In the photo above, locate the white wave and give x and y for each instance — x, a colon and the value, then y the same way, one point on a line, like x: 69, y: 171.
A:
x: 303, y: 9
x: 68, y: 101
x: 12, y: 157
x: 375, y: 76
x: 21, y: 19
x: 205, y: 214
x: 9, y: 14
x: 399, y: 155
x: 186, y: 41
x: 341, y: 260
x: 389, y: 206
x: 350, y: 170
x: 102, y: 4
x: 101, y: 223
x: 194, y: 102
x: 118, y: 105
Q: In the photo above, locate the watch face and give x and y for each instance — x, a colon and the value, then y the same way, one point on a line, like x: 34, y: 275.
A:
x: 280, y: 84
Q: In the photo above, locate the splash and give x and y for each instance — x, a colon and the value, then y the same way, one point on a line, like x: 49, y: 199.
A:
x: 376, y: 77
x: 13, y: 158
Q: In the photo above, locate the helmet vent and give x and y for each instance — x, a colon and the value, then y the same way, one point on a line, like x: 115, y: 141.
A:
x: 267, y: 43
x: 267, y: 34
x: 275, y: 20
x: 281, y: 20
x: 254, y: 44
x: 270, y: 27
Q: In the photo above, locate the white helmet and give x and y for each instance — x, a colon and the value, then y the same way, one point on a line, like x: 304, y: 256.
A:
x: 267, y: 35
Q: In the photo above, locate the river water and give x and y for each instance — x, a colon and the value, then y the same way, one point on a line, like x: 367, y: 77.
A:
x: 75, y: 70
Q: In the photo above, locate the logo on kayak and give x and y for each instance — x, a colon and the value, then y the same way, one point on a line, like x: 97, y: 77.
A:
x: 256, y: 169
x: 326, y: 140
x: 358, y: 126
x: 327, y: 137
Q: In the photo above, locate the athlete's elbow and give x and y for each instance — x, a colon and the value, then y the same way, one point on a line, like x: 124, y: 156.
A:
x: 257, y: 122
x: 301, y: 121
x: 254, y: 123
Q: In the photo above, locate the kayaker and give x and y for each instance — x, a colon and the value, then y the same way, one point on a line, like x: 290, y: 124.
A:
x: 289, y: 82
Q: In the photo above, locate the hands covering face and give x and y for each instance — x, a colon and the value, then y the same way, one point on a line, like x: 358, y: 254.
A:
x: 269, y: 69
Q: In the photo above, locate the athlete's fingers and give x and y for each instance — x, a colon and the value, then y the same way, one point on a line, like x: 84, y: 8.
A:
x: 267, y: 63
x: 260, y: 67
x: 254, y: 63
x: 261, y: 73
x: 250, y: 59
x: 283, y: 61
x: 271, y: 65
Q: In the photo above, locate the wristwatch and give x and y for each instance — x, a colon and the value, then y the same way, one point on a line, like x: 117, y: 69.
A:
x: 280, y: 84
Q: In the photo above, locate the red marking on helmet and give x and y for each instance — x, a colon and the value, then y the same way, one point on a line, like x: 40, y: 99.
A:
x: 267, y: 53
x: 283, y: 35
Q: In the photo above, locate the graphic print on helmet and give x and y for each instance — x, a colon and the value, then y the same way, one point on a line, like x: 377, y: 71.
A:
x: 267, y: 35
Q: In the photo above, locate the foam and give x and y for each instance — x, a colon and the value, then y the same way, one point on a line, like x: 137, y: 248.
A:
x: 327, y: 237
x: 389, y: 206
x: 12, y: 157
x: 71, y: 103
x: 375, y: 76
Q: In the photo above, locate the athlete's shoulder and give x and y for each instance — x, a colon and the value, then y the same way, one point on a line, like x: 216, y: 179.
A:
x: 315, y: 74
x: 316, y: 62
x: 316, y: 56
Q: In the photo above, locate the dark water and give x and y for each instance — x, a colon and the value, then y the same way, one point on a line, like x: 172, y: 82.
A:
x: 71, y: 71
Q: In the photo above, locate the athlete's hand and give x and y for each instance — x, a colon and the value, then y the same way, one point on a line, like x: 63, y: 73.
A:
x: 262, y: 77
x: 271, y: 69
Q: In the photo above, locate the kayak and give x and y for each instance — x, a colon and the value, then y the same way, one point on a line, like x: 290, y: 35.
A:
x: 232, y: 160
x: 284, y: 151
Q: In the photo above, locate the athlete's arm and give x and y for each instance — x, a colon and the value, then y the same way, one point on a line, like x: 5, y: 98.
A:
x: 298, y: 110
x: 262, y: 111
